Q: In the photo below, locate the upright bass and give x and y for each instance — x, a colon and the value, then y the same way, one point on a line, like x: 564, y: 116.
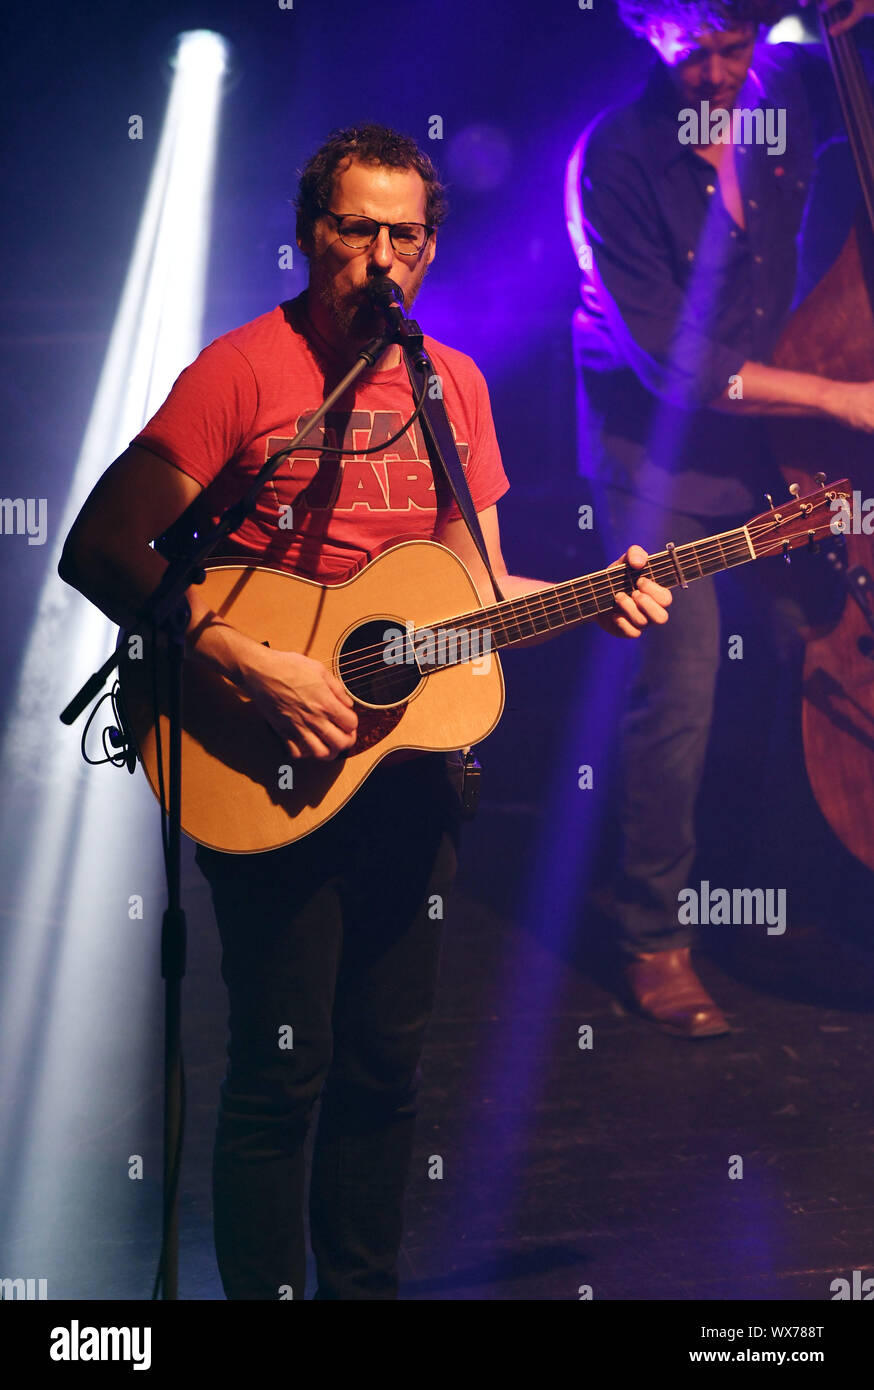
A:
x: 831, y: 334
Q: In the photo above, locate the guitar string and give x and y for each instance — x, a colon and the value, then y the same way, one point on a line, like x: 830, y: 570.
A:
x: 357, y: 664
x: 595, y: 586
x: 368, y: 660
x: 852, y: 86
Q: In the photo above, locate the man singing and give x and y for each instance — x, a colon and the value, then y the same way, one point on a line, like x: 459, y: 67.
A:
x: 332, y: 934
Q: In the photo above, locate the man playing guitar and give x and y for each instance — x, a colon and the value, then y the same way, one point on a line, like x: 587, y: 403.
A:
x: 333, y: 939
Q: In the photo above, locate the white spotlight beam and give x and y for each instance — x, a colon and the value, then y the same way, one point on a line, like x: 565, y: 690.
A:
x: 55, y: 886
x: 156, y: 333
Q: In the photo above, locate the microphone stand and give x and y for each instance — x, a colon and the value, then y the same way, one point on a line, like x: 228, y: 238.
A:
x: 168, y: 609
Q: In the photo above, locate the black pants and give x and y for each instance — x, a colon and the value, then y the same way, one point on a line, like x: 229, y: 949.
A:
x: 330, y: 952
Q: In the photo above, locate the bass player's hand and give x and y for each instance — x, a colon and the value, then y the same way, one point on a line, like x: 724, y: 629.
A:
x: 842, y: 20
x: 852, y: 402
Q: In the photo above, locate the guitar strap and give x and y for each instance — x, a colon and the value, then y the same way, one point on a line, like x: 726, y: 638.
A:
x: 444, y: 460
x: 463, y: 767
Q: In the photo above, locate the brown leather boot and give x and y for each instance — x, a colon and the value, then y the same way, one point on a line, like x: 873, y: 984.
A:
x: 668, y: 992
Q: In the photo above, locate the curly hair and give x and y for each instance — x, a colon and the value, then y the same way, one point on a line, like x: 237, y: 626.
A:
x: 367, y: 144
x: 692, y: 15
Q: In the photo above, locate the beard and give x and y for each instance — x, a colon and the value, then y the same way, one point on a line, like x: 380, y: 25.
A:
x: 352, y: 313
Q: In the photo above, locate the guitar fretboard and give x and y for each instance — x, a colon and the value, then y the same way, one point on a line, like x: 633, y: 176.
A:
x: 580, y: 600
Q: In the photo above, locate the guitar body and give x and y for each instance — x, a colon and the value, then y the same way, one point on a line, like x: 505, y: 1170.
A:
x: 235, y: 767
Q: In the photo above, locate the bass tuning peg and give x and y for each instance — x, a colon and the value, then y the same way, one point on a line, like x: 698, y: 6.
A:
x: 769, y: 499
x: 794, y: 490
x: 819, y: 479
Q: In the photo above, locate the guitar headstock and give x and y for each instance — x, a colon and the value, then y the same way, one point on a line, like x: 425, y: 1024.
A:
x: 803, y: 520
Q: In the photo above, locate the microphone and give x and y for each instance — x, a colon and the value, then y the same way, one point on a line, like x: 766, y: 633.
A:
x: 388, y: 297
x: 386, y: 294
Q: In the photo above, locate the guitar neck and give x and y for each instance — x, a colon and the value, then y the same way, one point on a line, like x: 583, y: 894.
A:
x: 580, y: 600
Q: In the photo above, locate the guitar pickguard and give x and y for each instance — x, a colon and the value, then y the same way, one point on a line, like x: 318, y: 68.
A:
x: 374, y: 725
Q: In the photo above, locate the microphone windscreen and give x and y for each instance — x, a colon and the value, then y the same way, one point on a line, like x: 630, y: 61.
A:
x: 382, y: 291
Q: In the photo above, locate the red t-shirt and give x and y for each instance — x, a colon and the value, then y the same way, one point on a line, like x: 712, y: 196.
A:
x: 251, y: 390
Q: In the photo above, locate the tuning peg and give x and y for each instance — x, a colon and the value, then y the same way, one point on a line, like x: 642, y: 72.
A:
x: 786, y: 556
x: 812, y: 543
x: 819, y: 479
x: 769, y: 499
x: 794, y: 490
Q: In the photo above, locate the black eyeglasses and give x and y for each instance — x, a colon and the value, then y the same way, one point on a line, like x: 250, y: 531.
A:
x: 407, y: 238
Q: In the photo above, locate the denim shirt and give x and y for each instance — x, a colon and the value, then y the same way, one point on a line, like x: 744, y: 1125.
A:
x: 676, y: 296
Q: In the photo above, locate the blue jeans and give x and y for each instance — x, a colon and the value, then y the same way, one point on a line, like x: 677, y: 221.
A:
x: 330, y: 951
x: 666, y: 713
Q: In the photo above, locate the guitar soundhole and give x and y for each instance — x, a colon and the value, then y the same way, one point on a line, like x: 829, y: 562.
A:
x: 373, y: 664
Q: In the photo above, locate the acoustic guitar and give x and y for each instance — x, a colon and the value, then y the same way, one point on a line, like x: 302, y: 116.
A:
x: 415, y: 647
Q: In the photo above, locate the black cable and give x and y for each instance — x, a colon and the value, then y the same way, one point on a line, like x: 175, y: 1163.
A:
x: 159, y: 752
x: 306, y: 449
x: 117, y: 734
x: 375, y: 448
